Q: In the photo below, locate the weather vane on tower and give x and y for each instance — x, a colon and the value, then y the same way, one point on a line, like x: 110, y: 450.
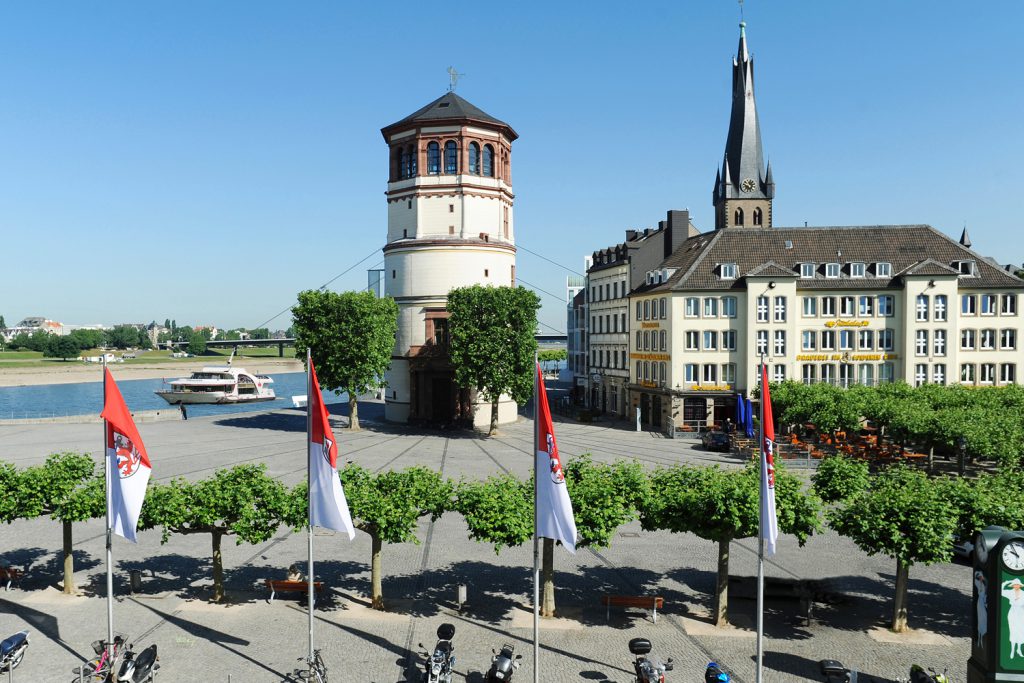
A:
x: 454, y: 76
x: 741, y: 10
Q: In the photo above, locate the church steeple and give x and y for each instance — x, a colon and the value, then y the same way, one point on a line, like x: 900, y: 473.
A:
x: 744, y: 189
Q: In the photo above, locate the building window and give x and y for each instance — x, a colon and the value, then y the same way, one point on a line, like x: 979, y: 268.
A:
x: 883, y: 269
x: 807, y: 373
x: 623, y: 328
x: 808, y: 340
x: 779, y: 373
x: 966, y: 267
x: 832, y: 270
x: 886, y: 305
x: 780, y: 309
x: 920, y: 374
x: 922, y: 307
x: 846, y: 340
x: 988, y: 340
x: 647, y: 309
x: 846, y: 304
x: 866, y: 374
x: 729, y: 373
x: 1007, y: 373
x: 940, y: 307
x: 639, y: 308
x: 474, y: 158
x: 828, y: 340
x: 967, y: 340
x: 710, y: 307
x: 692, y: 307
x: 451, y: 158
x: 692, y: 340
x: 762, y: 309
x: 729, y: 306
x: 921, y: 343
x: 866, y: 340
x: 758, y: 216
x: 969, y: 304
x: 988, y: 304
x: 828, y: 306
x: 967, y: 373
x: 663, y: 338
x: 1008, y: 339
x: 647, y: 341
x: 710, y: 340
x: 780, y: 342
x: 886, y: 372
x: 810, y: 304
x: 647, y: 370
x: 828, y: 373
x: 885, y: 340
x: 433, y: 158
x: 807, y: 270
x: 710, y: 373
x: 939, y: 342
x: 691, y: 372
x: 639, y: 340
x: 729, y: 340
x: 403, y: 163
x: 987, y: 373
x: 738, y: 217
x: 1009, y: 304
x: 663, y: 308
x: 727, y: 271
x: 867, y: 306
x: 762, y: 342
x: 488, y: 161
x: 856, y: 270
x: 939, y: 373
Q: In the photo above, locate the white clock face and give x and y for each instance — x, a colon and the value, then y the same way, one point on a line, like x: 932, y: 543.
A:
x: 1013, y: 556
x: 748, y: 185
x: 980, y: 549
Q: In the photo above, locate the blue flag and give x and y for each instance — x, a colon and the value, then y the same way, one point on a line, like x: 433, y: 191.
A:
x: 741, y: 419
x: 750, y: 419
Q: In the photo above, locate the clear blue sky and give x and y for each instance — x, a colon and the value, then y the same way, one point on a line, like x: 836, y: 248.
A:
x: 206, y: 161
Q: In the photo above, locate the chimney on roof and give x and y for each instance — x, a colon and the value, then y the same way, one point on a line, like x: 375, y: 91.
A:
x: 676, y: 231
x: 630, y: 235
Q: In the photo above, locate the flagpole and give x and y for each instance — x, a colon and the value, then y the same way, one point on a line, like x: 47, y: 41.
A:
x: 536, y: 539
x: 110, y: 558
x: 309, y: 496
x: 762, y: 371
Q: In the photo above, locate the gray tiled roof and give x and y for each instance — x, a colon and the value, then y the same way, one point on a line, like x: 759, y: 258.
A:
x: 903, y: 246
x: 930, y: 266
x: 448, y: 107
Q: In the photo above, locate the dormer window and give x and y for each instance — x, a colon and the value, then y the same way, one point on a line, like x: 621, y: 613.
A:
x: 856, y: 270
x: 831, y: 270
x: 883, y: 269
x: 968, y: 268
x: 727, y: 271
x: 806, y: 270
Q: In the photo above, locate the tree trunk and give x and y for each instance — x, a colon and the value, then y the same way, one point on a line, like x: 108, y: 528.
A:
x: 547, y: 576
x: 376, y: 590
x: 899, y: 604
x: 353, y: 413
x: 494, y: 416
x: 722, y: 585
x: 218, y: 568
x: 69, y: 560
x: 931, y: 458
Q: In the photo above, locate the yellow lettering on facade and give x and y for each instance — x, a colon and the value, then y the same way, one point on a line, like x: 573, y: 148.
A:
x: 650, y: 356
x: 650, y: 326
x: 847, y: 323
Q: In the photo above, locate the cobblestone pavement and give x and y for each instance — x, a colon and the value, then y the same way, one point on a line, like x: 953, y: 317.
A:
x: 251, y: 640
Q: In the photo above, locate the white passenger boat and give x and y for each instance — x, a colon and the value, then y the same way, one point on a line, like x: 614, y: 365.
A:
x: 219, y: 385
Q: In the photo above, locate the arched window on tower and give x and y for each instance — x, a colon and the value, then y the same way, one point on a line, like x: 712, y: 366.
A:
x: 488, y: 161
x: 504, y: 166
x: 451, y: 158
x: 433, y: 158
x: 413, y: 155
x: 738, y: 217
x: 403, y: 162
x: 474, y: 158
x: 758, y: 216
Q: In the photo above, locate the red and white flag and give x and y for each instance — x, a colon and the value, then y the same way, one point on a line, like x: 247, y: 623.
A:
x: 327, y: 505
x: 554, y: 509
x: 769, y: 522
x: 127, y: 461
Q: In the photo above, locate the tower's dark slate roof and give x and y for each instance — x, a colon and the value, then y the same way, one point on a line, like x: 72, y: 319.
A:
x: 448, y: 107
x: 760, y: 251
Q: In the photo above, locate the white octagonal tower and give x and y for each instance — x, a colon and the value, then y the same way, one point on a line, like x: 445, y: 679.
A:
x: 449, y: 225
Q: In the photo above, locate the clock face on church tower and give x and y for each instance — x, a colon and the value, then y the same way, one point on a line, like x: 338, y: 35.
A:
x: 748, y: 185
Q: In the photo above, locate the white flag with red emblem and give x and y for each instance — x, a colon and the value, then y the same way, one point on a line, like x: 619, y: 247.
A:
x: 327, y: 505
x: 554, y: 509
x: 127, y: 461
x: 769, y: 522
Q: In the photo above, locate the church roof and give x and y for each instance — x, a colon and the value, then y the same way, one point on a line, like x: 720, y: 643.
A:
x: 448, y: 108
x: 769, y: 251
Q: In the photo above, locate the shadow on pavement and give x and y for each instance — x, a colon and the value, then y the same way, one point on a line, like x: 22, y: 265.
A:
x: 45, y: 568
x: 44, y: 623
x: 809, y: 669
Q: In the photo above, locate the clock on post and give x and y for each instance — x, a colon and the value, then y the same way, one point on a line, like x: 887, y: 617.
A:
x: 997, y: 620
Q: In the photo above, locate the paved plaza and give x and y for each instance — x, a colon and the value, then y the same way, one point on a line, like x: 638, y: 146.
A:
x: 253, y: 641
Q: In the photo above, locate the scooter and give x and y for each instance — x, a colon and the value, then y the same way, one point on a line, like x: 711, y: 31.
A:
x: 138, y: 669
x: 503, y: 664
x: 648, y: 669
x: 12, y: 651
x: 438, y: 666
x: 919, y: 675
x: 714, y: 674
x: 835, y: 672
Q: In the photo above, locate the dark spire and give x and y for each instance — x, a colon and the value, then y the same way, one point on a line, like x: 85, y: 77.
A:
x: 965, y: 239
x: 743, y: 156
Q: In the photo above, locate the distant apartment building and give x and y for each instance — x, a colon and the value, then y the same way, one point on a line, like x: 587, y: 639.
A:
x: 574, y: 284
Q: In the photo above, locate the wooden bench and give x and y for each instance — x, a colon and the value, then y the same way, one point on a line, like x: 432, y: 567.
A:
x: 9, y: 575
x: 651, y: 602
x: 283, y: 586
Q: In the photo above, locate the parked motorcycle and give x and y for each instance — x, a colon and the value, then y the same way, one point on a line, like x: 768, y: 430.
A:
x: 503, y: 664
x: 12, y: 651
x: 648, y: 669
x: 919, y: 675
x: 714, y: 674
x: 438, y: 666
x: 835, y: 672
x: 139, y: 668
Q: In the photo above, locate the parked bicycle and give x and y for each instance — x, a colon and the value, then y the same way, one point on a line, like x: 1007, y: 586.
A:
x: 317, y: 672
x: 100, y: 669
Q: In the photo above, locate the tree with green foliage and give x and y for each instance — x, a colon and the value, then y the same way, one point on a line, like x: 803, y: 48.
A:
x: 21, y: 341
x: 838, y: 478
x: 492, y: 342
x: 61, y: 347
x: 259, y: 333
x: 387, y: 506
x: 3, y: 324
x: 242, y: 501
x: 498, y: 510
x: 904, y: 515
x: 550, y: 358
x: 722, y: 505
x: 68, y: 487
x: 196, y: 344
x: 125, y: 337
x: 87, y: 339
x: 351, y: 336
x: 39, y: 341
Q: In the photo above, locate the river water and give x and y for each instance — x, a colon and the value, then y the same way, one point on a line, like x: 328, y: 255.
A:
x: 86, y: 398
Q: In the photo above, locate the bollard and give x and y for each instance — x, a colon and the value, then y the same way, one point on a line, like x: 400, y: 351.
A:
x: 135, y: 580
x: 461, y: 595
